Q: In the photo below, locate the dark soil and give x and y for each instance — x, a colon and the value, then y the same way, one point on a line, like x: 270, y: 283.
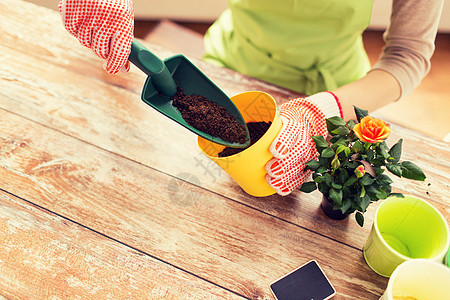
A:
x: 209, y: 117
x: 256, y: 130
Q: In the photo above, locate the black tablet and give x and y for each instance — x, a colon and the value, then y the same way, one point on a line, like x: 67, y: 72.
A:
x: 306, y: 282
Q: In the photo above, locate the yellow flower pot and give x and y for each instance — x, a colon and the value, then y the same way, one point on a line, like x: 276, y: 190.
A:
x: 247, y: 167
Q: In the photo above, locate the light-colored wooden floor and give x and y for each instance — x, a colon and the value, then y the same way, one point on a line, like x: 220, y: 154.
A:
x: 427, y: 109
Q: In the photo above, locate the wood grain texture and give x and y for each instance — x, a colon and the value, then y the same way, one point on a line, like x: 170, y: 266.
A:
x: 80, y: 145
x: 45, y: 256
x: 216, y: 238
x: 106, y: 111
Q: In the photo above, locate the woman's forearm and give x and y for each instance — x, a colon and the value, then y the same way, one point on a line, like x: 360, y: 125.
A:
x: 377, y: 89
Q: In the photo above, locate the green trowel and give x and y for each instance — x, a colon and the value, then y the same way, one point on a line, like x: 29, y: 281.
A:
x: 161, y: 85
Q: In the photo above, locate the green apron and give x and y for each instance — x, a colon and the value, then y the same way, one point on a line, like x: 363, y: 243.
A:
x: 304, y: 45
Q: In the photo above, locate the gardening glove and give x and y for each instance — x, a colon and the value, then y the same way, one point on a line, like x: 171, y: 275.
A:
x: 105, y: 26
x: 302, y: 118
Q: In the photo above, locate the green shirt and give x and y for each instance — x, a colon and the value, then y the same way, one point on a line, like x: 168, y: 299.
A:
x: 306, y: 46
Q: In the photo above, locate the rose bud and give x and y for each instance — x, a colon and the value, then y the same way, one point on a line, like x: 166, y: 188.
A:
x: 360, y: 171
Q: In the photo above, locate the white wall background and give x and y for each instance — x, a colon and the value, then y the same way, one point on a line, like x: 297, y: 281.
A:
x: 209, y: 10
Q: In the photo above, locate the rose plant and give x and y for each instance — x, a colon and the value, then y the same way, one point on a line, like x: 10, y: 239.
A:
x: 349, y: 168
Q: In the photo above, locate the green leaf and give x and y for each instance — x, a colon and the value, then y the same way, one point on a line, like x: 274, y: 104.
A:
x: 378, y: 170
x: 341, y: 130
x: 412, y: 171
x: 363, y: 192
x: 327, y: 152
x: 395, y: 169
x: 341, y: 148
x: 321, y: 169
x: 342, y: 141
x: 350, y: 181
x: 396, y: 151
x: 351, y: 164
x: 346, y: 193
x: 358, y: 146
x: 388, y: 190
x: 346, y: 204
x: 351, y: 124
x: 383, y: 150
x: 330, y: 126
x: 338, y: 121
x: 336, y: 196
x: 360, y: 113
x: 345, y: 149
x: 308, y: 187
x: 320, y: 142
x: 359, y: 218
x: 366, y: 179
x: 364, y: 203
x: 328, y: 179
x: 323, y: 188
x: 384, y: 179
x: 319, y: 179
x: 342, y: 175
x: 381, y: 194
x: 313, y: 164
x: 334, y: 122
x: 372, y: 190
x: 399, y: 195
x: 334, y: 139
x: 379, y: 162
x: 336, y: 186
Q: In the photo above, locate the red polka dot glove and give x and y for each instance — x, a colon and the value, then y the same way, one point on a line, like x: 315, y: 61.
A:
x: 105, y: 26
x: 302, y: 118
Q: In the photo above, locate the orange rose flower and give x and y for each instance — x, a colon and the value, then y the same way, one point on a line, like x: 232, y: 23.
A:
x: 372, y: 130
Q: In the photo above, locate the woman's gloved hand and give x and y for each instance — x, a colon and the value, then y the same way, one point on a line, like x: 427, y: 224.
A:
x: 302, y: 118
x: 105, y: 26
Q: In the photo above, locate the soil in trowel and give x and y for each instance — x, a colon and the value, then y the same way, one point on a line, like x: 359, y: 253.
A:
x: 209, y: 117
x: 256, y: 130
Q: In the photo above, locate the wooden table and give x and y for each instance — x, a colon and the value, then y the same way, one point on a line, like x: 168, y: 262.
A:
x: 102, y: 197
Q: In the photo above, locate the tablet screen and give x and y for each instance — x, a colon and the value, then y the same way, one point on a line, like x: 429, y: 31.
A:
x: 307, y: 282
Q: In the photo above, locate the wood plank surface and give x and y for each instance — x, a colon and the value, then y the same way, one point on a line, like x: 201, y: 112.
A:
x: 106, y: 111
x: 79, y: 147
x: 46, y: 256
x: 214, y: 237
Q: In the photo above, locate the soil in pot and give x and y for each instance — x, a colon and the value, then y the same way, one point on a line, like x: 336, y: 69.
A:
x: 328, y: 210
x: 256, y: 130
x: 209, y: 117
